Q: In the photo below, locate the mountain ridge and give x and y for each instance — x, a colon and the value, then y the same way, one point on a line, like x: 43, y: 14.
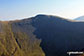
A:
x: 42, y: 35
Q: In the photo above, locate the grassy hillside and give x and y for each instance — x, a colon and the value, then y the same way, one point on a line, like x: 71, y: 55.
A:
x: 18, y: 43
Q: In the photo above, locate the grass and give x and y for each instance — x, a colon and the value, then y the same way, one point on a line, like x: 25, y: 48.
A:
x: 18, y: 43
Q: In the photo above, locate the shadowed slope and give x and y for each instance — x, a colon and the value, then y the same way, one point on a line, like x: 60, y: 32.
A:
x: 59, y: 35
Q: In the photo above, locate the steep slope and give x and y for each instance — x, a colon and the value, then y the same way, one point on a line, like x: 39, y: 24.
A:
x: 26, y: 40
x: 17, y: 43
x: 8, y: 41
x: 59, y: 35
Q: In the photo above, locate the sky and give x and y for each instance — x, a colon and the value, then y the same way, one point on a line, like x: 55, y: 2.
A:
x: 19, y: 9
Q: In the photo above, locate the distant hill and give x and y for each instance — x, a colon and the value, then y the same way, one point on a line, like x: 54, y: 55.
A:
x: 81, y: 18
x: 42, y: 35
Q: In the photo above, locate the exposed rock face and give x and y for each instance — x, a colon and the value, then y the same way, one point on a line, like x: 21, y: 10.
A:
x: 41, y: 35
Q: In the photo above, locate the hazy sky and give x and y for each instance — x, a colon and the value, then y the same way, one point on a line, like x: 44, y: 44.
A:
x: 19, y: 9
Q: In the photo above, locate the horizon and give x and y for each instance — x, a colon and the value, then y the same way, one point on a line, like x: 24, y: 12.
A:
x: 20, y: 9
